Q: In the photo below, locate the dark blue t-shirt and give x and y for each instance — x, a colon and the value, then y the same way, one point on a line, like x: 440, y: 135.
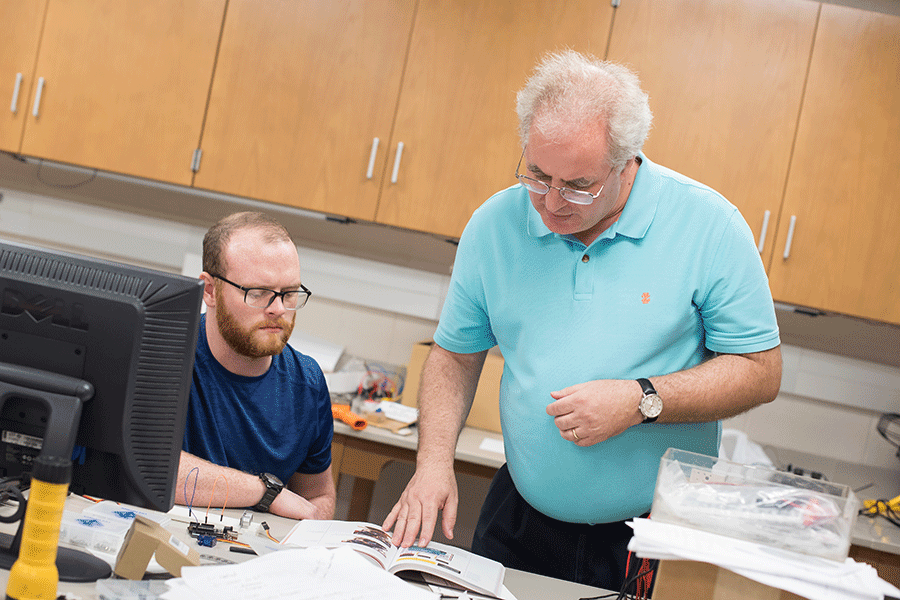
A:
x: 277, y: 423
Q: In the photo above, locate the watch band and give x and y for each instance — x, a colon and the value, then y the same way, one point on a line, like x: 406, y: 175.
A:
x: 273, y: 488
x: 646, y: 386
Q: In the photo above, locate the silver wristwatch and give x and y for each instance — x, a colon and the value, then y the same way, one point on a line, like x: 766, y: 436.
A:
x: 651, y: 404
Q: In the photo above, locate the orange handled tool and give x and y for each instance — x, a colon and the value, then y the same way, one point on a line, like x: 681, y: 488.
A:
x: 343, y: 413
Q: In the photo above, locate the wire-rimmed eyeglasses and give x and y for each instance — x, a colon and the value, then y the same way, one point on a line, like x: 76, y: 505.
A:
x: 263, y: 297
x: 567, y: 194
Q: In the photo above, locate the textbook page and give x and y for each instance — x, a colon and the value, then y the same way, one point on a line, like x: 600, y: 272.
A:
x: 448, y: 562
x: 294, y: 574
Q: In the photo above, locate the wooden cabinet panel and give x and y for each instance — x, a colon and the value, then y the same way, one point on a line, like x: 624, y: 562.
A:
x: 301, y: 90
x: 844, y: 185
x: 456, y: 116
x: 21, y: 35
x: 126, y: 84
x: 725, y: 79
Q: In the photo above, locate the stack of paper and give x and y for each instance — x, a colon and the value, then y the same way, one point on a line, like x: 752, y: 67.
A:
x: 295, y: 574
x: 808, y: 576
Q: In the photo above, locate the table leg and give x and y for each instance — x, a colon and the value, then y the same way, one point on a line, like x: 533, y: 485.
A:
x: 361, y: 499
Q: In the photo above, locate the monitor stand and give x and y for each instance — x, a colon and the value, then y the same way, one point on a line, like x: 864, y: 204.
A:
x: 75, y: 566
x: 64, y: 396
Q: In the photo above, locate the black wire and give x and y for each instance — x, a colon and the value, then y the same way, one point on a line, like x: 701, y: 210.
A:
x: 623, y: 592
x: 883, y: 508
x: 64, y: 186
x: 884, y: 426
x: 12, y: 490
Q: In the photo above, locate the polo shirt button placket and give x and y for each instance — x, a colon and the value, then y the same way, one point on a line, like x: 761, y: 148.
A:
x: 584, y: 285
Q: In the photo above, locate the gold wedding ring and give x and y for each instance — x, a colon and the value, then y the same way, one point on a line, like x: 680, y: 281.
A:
x: 575, y: 435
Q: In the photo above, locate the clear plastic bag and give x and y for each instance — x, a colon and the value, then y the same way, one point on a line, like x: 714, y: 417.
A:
x: 755, y: 503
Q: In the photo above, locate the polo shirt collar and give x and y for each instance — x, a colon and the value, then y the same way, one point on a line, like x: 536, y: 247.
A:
x: 636, y: 217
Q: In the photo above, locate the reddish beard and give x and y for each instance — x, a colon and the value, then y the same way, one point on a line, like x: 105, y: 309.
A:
x: 246, y: 341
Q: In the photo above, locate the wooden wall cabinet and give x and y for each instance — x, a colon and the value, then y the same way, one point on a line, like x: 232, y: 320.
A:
x: 789, y: 108
x: 725, y: 79
x: 21, y: 36
x: 456, y: 115
x: 123, y: 85
x: 302, y: 90
x: 843, y: 192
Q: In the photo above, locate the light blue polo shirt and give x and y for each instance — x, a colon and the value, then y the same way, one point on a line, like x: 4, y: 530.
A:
x: 674, y: 280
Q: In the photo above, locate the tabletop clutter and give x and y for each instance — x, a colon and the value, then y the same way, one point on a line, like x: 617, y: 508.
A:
x: 782, y: 530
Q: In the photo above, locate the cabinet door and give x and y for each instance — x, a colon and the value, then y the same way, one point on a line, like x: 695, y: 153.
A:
x: 18, y: 53
x: 844, y: 185
x: 725, y: 79
x: 125, y: 84
x: 302, y: 88
x: 456, y: 117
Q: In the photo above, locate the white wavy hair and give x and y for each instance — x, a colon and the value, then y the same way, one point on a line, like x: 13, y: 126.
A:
x: 569, y: 90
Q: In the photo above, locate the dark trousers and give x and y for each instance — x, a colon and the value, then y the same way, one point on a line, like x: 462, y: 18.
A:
x: 513, y: 533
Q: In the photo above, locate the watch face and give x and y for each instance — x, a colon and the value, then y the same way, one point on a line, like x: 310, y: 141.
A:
x: 651, y: 406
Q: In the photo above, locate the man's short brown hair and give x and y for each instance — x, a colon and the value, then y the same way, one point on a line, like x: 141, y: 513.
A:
x: 216, y: 239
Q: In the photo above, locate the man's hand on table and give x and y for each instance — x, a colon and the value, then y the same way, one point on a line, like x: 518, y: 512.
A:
x: 429, y: 491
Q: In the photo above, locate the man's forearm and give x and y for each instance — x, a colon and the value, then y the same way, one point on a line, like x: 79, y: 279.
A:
x: 324, y: 506
x: 318, y: 490
x: 212, y: 484
x: 721, y: 387
x: 448, y: 387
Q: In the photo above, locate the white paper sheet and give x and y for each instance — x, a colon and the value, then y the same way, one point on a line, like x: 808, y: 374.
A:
x: 808, y: 576
x: 296, y: 574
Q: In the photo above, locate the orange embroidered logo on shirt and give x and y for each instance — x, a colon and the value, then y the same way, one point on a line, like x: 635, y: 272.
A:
x: 645, y: 298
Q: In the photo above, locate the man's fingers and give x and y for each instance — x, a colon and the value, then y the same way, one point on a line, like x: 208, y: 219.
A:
x: 449, y: 518
x: 391, y: 518
x: 561, y: 407
x: 411, y: 528
x: 429, y: 520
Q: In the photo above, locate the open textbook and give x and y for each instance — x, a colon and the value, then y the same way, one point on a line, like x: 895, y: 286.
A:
x: 473, y: 572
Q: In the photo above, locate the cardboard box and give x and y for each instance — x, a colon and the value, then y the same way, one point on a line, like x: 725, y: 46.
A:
x: 485, y: 413
x: 147, y: 539
x: 688, y: 580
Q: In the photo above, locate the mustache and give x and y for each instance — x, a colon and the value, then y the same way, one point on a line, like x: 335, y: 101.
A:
x: 280, y: 323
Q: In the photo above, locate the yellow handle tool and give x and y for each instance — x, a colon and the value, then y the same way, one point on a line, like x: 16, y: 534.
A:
x: 34, y: 575
x: 873, y: 507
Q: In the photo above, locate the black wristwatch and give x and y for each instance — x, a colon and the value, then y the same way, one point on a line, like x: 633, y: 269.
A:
x: 273, y: 488
x: 651, y: 404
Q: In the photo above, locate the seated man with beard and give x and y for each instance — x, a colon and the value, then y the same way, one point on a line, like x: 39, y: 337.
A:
x: 260, y: 413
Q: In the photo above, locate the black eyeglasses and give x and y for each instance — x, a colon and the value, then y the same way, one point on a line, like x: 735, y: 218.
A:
x: 263, y: 298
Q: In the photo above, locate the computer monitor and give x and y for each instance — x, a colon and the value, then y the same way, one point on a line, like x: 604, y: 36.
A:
x: 116, y: 341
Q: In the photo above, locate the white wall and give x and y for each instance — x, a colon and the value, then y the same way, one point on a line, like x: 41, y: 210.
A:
x: 829, y: 405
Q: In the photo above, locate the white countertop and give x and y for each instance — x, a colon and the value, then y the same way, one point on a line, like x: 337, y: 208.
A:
x: 472, y: 445
x: 871, y: 482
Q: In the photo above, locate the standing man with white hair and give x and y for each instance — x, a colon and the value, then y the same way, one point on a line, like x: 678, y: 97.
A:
x: 633, y: 313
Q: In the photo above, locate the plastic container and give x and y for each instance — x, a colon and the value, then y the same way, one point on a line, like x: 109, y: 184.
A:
x: 755, y: 503
x: 92, y: 532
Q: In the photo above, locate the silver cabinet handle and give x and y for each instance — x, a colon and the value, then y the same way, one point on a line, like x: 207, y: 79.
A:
x: 372, y: 156
x: 397, y: 162
x: 762, y: 232
x: 37, y: 96
x: 15, y: 99
x: 790, y: 236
